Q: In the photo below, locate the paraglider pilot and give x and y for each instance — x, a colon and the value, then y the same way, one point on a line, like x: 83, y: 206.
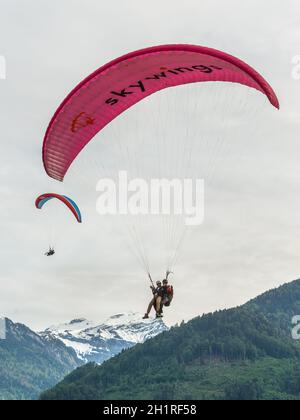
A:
x: 162, y: 296
x: 50, y: 252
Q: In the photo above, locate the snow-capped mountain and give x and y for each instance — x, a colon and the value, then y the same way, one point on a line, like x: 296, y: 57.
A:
x: 98, y: 342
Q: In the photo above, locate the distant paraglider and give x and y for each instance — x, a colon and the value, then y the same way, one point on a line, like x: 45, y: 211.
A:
x: 44, y: 198
x: 50, y: 252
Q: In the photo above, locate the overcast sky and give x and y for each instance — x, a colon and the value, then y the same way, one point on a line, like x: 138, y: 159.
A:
x: 250, y: 241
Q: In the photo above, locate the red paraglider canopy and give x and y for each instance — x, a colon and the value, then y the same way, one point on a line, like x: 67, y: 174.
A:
x: 118, y: 85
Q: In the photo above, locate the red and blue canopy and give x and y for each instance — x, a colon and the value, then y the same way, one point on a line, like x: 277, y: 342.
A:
x: 44, y: 198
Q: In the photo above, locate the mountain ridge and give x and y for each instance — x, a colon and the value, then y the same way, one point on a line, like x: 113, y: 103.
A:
x: 239, y: 353
x: 23, y: 350
x: 32, y: 362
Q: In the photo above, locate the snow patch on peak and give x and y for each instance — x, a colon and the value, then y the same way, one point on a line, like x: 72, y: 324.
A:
x: 73, y: 326
x: 125, y: 318
x: 98, y: 342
